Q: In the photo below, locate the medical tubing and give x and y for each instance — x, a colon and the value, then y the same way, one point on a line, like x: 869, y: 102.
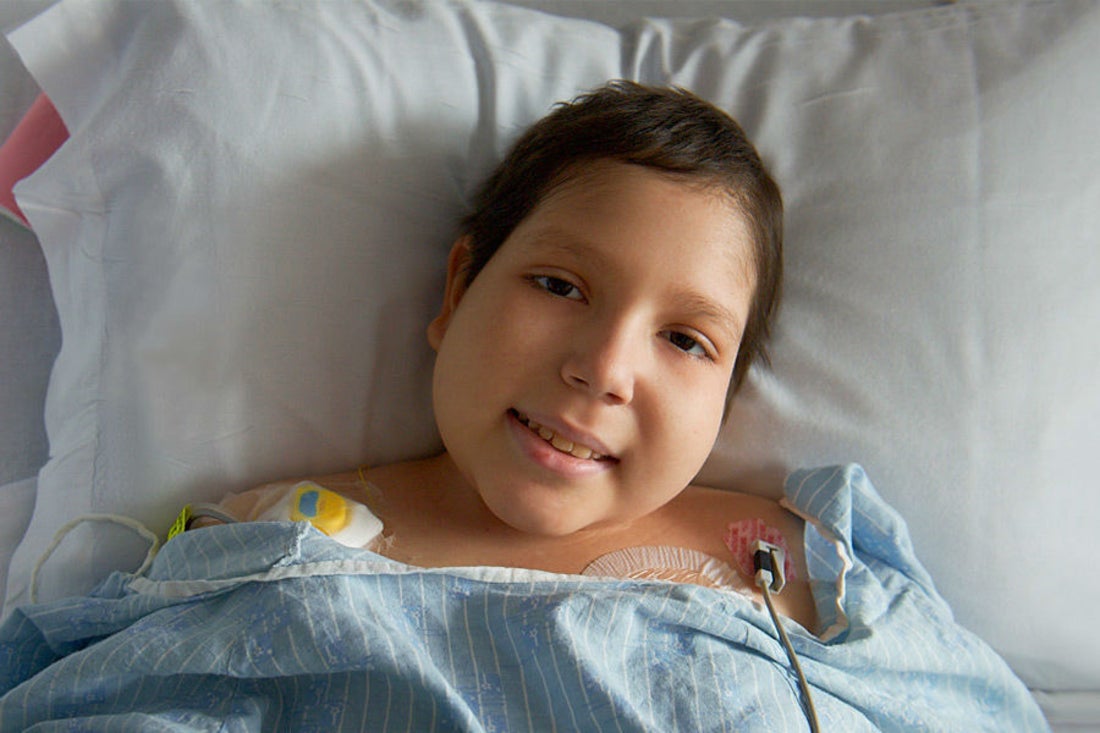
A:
x: 807, y: 699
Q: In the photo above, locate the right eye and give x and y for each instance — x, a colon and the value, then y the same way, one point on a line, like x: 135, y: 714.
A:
x: 687, y: 344
x: 557, y: 286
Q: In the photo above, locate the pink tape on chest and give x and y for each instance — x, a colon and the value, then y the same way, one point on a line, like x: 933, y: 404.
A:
x: 740, y: 536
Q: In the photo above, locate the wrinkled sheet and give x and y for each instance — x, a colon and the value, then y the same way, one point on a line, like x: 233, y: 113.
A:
x: 272, y: 626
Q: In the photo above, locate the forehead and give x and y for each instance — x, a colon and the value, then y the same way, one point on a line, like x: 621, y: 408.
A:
x: 632, y: 207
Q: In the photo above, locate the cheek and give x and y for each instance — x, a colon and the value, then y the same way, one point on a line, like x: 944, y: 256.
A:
x: 486, y: 347
x: 690, y: 421
x: 675, y: 447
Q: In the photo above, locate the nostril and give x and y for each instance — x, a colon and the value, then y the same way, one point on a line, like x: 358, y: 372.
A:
x: 576, y: 381
x: 606, y: 374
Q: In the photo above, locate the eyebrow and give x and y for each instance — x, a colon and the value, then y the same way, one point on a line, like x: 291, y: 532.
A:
x: 699, y: 306
x: 562, y: 241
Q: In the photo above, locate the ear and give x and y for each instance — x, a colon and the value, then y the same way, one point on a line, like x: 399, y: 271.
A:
x: 457, y: 263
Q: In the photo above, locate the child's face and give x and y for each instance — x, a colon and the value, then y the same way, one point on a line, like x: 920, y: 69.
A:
x: 612, y: 317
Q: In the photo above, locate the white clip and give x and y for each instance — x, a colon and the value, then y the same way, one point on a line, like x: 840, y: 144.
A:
x: 768, y: 560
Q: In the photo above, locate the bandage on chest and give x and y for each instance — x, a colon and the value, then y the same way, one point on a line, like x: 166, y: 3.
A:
x: 344, y: 520
x: 740, y: 537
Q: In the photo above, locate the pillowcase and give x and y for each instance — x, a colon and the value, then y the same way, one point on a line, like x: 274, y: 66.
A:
x: 247, y: 231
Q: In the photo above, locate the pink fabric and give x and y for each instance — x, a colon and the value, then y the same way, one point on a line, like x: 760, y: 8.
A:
x: 32, y: 142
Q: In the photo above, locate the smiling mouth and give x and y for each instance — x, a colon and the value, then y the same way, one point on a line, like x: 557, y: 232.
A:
x: 564, y: 445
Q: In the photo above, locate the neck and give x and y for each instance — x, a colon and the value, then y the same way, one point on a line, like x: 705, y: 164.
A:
x: 436, y: 495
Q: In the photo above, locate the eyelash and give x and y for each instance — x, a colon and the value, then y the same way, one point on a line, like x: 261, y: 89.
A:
x: 704, y: 353
x: 553, y: 285
x: 548, y: 283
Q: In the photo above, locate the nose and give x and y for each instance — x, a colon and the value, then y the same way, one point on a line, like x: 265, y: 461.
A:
x: 604, y: 361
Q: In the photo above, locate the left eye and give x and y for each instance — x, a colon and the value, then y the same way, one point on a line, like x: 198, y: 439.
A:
x: 557, y: 286
x: 687, y: 343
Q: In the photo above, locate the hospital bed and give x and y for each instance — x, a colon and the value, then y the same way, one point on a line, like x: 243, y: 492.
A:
x: 224, y: 274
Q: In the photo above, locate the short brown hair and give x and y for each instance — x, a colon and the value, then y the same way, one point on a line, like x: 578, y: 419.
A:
x: 665, y: 128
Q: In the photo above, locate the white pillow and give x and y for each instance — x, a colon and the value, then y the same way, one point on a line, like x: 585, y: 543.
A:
x: 246, y: 237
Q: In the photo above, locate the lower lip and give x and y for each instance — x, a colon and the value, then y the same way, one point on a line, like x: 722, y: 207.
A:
x: 549, y: 457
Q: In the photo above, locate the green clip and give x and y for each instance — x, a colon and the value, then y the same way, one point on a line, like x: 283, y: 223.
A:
x: 180, y: 525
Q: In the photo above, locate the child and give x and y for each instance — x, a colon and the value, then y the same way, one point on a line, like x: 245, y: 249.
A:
x: 603, y: 304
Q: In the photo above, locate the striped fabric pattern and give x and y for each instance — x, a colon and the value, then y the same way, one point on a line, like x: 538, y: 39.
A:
x: 272, y: 626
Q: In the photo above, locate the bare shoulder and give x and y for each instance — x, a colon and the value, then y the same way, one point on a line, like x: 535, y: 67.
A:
x: 726, y: 524
x: 708, y: 507
x: 353, y: 483
x: 250, y: 503
x: 743, y: 518
x: 734, y: 500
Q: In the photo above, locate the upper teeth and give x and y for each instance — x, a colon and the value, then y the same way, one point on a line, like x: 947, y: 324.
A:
x: 563, y: 444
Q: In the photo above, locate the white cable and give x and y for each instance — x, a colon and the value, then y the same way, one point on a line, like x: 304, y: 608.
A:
x: 141, y: 529
x: 764, y: 581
